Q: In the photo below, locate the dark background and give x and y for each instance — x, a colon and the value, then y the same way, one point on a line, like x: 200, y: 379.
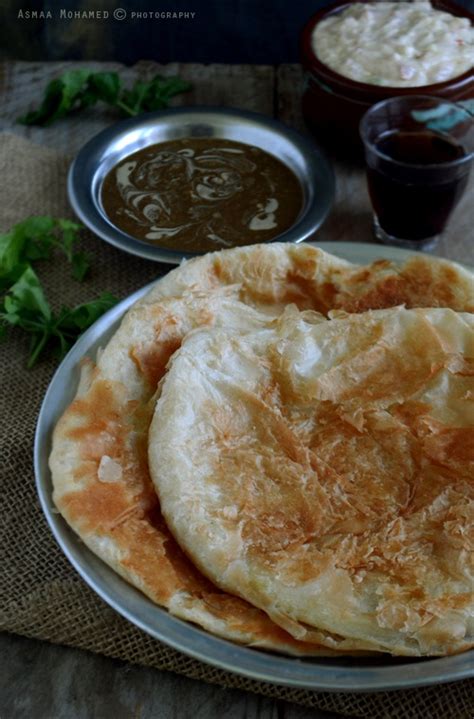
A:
x: 228, y: 31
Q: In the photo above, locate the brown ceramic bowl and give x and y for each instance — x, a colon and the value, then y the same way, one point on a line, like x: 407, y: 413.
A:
x: 333, y: 105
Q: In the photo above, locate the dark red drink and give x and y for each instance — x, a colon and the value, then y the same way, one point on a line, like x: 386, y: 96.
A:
x: 411, y: 191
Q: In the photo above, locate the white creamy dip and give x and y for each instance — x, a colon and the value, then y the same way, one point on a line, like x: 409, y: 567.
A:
x: 398, y: 44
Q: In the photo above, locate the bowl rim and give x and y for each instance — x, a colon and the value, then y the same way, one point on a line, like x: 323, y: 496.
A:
x: 360, y: 90
x: 90, y: 157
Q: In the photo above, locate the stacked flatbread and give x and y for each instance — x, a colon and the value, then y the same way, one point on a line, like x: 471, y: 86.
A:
x: 276, y: 446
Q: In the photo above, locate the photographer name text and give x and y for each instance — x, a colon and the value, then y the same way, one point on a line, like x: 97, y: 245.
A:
x: 117, y: 14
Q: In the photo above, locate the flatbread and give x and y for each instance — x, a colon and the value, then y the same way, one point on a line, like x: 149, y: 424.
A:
x: 101, y: 480
x: 278, y: 274
x: 98, y: 461
x: 324, y: 471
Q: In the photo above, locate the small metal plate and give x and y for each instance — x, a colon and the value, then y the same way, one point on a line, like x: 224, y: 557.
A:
x: 109, y: 147
x: 355, y: 675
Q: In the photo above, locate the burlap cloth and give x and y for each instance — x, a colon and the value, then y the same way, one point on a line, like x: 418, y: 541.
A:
x: 41, y: 594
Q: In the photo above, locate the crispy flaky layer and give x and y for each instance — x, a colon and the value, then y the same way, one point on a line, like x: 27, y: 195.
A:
x: 101, y: 480
x: 99, y: 457
x: 324, y: 471
x: 282, y: 273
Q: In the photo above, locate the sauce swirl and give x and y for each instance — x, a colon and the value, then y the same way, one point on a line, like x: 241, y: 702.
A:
x: 202, y: 194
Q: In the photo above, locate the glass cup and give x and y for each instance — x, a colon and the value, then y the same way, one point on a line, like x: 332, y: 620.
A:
x: 419, y: 151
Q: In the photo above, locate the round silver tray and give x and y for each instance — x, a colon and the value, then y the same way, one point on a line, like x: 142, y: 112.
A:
x: 355, y: 675
x: 106, y: 149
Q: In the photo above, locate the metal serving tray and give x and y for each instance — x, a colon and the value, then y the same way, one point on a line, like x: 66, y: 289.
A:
x: 342, y: 674
x: 104, y: 151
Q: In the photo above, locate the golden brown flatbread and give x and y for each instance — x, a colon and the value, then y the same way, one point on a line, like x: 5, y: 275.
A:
x: 99, y: 457
x: 101, y: 479
x: 282, y: 273
x: 324, y: 471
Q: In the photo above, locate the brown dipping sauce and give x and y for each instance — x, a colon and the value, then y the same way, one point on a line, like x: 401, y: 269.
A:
x: 201, y: 194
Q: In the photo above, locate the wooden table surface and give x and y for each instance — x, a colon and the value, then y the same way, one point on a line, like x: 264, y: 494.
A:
x: 43, y: 681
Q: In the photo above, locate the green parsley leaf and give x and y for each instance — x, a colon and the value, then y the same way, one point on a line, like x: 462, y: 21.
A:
x: 11, y: 265
x: 24, y: 304
x: 34, y: 239
x: 28, y: 240
x: 62, y: 96
x: 25, y: 299
x: 78, y: 89
x: 105, y: 86
x: 162, y: 89
x: 26, y: 307
x: 71, y: 323
x: 153, y: 95
x: 82, y: 316
x: 80, y: 265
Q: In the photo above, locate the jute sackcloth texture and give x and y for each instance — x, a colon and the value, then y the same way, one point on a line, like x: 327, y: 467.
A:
x: 41, y: 594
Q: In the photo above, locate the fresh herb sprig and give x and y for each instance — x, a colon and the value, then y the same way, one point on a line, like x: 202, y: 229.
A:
x: 78, y: 89
x: 23, y: 303
x: 35, y: 239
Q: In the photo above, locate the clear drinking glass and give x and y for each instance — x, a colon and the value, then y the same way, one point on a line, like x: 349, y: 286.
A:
x: 419, y: 151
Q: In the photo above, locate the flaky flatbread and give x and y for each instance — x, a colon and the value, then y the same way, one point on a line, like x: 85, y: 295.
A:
x: 99, y: 457
x: 282, y: 273
x: 324, y: 471
x: 101, y: 480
